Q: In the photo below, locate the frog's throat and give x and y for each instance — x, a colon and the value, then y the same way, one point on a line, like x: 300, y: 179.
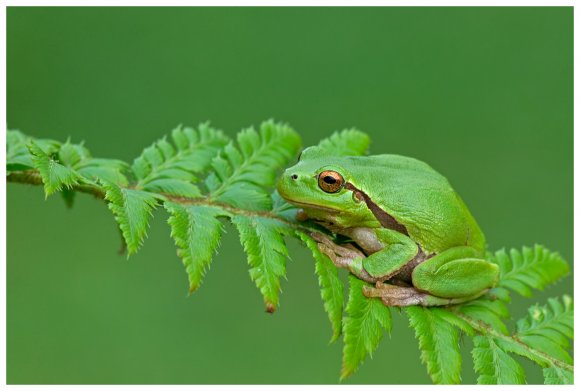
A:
x: 383, y: 217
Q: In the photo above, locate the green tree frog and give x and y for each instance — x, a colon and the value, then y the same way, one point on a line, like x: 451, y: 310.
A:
x: 408, y: 232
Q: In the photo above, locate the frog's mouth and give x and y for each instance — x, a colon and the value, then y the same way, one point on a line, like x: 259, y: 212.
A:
x: 306, y: 205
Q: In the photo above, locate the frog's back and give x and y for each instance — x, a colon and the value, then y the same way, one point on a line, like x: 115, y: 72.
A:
x: 419, y: 198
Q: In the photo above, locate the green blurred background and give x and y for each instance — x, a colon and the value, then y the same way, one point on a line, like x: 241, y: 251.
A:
x: 483, y: 95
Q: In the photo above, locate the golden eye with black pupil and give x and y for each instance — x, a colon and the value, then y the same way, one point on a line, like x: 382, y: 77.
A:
x: 330, y: 181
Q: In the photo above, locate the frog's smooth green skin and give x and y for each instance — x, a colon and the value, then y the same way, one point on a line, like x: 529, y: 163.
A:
x: 409, y: 226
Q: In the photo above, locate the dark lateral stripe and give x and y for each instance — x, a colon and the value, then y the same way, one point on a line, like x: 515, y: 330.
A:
x: 383, y: 217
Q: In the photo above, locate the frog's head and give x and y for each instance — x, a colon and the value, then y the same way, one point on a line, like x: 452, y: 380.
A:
x: 319, y: 184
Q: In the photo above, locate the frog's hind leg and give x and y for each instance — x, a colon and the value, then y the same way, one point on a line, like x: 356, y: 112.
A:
x: 397, y: 296
x: 454, y: 276
x: 455, y: 273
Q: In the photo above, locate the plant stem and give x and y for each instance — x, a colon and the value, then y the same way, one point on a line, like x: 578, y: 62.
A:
x: 32, y: 177
x: 484, y: 329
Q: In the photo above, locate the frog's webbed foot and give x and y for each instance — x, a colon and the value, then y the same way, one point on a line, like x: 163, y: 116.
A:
x: 398, y: 296
x: 344, y: 256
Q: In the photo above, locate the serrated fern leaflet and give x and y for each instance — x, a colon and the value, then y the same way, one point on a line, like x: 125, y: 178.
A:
x: 267, y: 254
x: 54, y: 175
x: 241, y: 173
x: 349, y: 142
x: 197, y: 232
x: 493, y: 364
x: 171, y: 168
x: 132, y: 210
x: 363, y: 327
x: 439, y: 343
x: 331, y: 287
x: 529, y: 269
x: 556, y: 375
x: 549, y: 327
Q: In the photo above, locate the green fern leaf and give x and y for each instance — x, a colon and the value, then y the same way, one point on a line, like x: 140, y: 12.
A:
x: 556, y: 375
x: 282, y: 208
x: 78, y: 158
x: 197, y: 232
x: 494, y: 365
x: 439, y: 343
x: 18, y: 156
x: 453, y: 319
x: 171, y: 169
x: 331, y: 287
x: 241, y: 174
x: 71, y: 154
x: 487, y: 311
x: 554, y: 321
x: 547, y: 328
x: 109, y: 170
x: 363, y: 327
x: 348, y: 142
x: 55, y: 176
x: 267, y: 253
x: 529, y: 269
x: 132, y: 210
x: 68, y: 197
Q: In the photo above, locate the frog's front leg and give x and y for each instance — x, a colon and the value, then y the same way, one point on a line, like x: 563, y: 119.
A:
x: 389, y: 251
x: 343, y: 256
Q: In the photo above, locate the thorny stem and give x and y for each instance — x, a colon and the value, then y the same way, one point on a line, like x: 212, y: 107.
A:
x: 32, y: 177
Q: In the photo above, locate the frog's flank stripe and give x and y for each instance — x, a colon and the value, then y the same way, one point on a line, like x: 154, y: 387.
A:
x: 383, y: 217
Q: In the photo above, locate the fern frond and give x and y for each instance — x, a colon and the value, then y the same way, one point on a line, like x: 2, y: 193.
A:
x: 267, y: 253
x: 331, y: 287
x: 548, y: 327
x: 79, y: 159
x: 132, y: 210
x: 554, y: 321
x: 529, y: 269
x: 110, y: 170
x: 171, y: 169
x: 348, y: 142
x: 196, y: 232
x: 439, y: 343
x: 71, y: 154
x: 493, y: 364
x: 18, y: 156
x: 55, y: 176
x: 363, y: 327
x: 241, y: 174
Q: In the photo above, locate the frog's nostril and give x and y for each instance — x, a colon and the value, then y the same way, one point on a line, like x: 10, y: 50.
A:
x: 294, y: 177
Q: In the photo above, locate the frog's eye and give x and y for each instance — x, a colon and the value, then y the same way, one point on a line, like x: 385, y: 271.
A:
x: 330, y: 181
